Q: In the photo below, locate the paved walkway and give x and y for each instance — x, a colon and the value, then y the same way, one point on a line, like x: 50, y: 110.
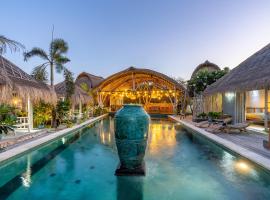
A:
x: 250, y: 140
x: 249, y: 145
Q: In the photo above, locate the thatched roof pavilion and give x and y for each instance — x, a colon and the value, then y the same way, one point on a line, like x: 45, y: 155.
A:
x: 208, y: 66
x: 79, y: 96
x: 251, y: 74
x: 14, y: 80
x: 89, y: 79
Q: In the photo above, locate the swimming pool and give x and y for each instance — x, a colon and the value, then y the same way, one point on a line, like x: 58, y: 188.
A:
x: 179, y: 165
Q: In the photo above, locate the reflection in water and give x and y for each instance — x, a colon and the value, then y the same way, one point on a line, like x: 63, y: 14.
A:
x: 129, y: 188
x: 242, y: 167
x: 106, y: 133
x: 162, y: 135
x: 26, y: 176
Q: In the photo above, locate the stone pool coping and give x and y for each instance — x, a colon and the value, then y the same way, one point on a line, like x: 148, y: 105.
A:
x: 250, y: 155
x: 26, y: 147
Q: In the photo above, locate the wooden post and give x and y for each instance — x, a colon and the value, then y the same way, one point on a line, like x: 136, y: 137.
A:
x: 30, y: 113
x: 266, y: 109
x: 80, y: 110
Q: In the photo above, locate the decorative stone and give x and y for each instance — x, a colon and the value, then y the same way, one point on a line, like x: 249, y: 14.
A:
x: 131, y: 133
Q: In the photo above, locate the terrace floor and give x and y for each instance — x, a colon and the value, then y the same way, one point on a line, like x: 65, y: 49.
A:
x: 252, y: 140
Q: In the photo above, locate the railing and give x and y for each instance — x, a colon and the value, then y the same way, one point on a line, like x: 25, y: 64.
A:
x: 22, y: 123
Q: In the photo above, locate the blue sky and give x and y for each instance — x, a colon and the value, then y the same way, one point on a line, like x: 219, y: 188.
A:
x: 172, y: 37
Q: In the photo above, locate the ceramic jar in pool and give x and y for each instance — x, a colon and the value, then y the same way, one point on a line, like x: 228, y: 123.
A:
x: 131, y: 133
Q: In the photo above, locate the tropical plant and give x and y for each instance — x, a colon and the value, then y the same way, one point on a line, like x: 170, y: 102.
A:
x: 202, y: 115
x: 99, y: 111
x: 6, y: 43
x: 214, y: 115
x: 62, y: 110
x: 7, y: 118
x: 55, y: 58
x: 198, y: 84
x: 42, y: 113
x: 40, y: 73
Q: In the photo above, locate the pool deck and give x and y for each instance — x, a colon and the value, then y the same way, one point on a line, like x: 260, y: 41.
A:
x: 26, y: 147
x: 248, y: 145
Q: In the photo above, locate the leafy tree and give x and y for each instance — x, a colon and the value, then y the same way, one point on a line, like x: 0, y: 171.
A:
x: 6, y: 43
x: 198, y: 84
x: 69, y: 81
x: 55, y: 58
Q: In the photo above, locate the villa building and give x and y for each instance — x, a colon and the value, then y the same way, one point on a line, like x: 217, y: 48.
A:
x: 244, y: 89
x: 22, y: 90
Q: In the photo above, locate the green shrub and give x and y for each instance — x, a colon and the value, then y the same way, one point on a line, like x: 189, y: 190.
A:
x: 99, y: 111
x: 42, y: 113
x: 202, y: 115
x: 214, y: 115
x: 62, y: 110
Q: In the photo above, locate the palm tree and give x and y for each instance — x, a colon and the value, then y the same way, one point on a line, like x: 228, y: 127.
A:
x: 55, y: 59
x: 40, y: 74
x: 6, y: 43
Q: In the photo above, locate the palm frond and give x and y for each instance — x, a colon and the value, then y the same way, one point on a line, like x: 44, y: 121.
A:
x: 36, y: 52
x: 61, y: 59
x: 40, y: 73
x: 11, y: 44
x: 58, y: 46
x: 59, y: 67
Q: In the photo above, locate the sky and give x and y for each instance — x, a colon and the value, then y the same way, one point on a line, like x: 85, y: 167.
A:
x: 171, y: 37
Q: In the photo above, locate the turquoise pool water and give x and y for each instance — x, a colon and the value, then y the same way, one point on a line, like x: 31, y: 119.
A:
x: 179, y: 166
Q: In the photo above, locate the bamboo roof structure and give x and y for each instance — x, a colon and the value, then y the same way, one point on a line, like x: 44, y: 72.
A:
x: 14, y: 80
x: 251, y: 74
x: 136, y: 76
x: 79, y: 94
x: 205, y: 66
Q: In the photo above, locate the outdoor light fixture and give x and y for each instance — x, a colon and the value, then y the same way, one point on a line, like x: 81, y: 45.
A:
x: 254, y: 93
x: 229, y: 96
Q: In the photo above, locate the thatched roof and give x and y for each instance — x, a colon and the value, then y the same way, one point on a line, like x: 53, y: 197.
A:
x: 15, y: 80
x: 79, y: 94
x: 251, y: 74
x: 125, y: 77
x: 91, y: 80
x: 205, y: 66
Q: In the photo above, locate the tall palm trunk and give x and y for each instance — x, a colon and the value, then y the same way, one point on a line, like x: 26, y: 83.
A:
x: 52, y: 75
x: 53, y: 122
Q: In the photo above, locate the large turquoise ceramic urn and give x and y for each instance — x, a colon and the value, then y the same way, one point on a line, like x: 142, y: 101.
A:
x: 131, y: 133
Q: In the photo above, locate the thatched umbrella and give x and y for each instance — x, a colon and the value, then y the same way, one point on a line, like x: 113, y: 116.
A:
x: 208, y: 66
x: 14, y: 80
x: 79, y: 96
x: 89, y: 79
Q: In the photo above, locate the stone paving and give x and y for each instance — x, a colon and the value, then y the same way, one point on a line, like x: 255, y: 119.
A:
x: 249, y: 145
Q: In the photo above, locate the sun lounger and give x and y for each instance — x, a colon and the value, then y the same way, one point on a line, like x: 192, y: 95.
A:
x: 238, y: 126
x: 203, y: 124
